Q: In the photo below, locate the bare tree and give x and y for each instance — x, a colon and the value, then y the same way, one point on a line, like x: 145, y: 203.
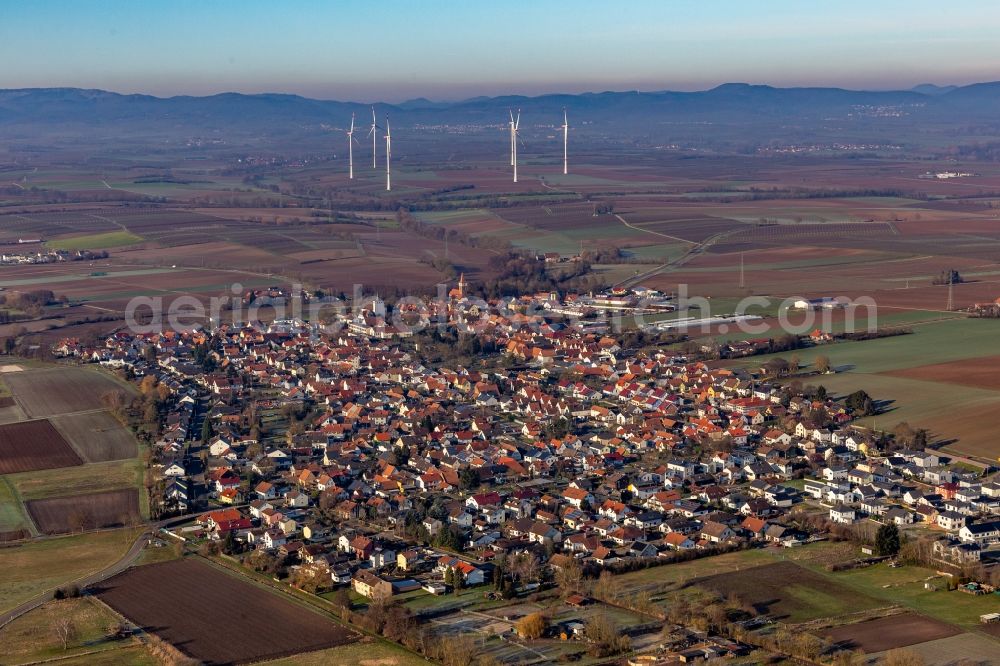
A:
x: 569, y: 578
x: 65, y: 631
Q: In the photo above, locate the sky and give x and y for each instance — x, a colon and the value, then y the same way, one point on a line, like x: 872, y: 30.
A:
x: 395, y: 50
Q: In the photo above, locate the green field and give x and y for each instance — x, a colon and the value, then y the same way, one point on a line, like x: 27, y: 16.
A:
x: 43, y: 565
x: 11, y: 514
x: 921, y: 403
x: 79, y: 480
x: 931, y: 342
x: 869, y: 587
x: 74, y: 277
x: 905, y: 586
x: 95, y: 241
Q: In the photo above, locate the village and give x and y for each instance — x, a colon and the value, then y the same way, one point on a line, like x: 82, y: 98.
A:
x: 348, y: 460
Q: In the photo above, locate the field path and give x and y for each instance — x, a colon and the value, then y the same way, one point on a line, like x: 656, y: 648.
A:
x: 121, y: 565
x: 695, y: 250
x: 127, y: 560
x: 655, y: 233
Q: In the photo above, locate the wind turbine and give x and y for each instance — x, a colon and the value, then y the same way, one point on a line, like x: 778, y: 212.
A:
x: 388, y: 155
x: 350, y: 149
x: 372, y: 133
x: 515, y: 126
x: 565, y: 129
x: 511, y: 128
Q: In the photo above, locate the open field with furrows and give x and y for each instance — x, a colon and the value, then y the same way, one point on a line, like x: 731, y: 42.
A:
x: 44, y: 226
x: 892, y: 279
x: 890, y: 632
x: 42, y: 565
x: 30, y: 638
x: 62, y: 515
x: 187, y: 252
x: 34, y: 445
x: 97, y: 436
x: 57, y: 391
x: 215, y: 617
x: 977, y: 372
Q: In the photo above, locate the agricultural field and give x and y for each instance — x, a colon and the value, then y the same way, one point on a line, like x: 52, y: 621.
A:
x: 62, y: 515
x: 890, y: 632
x: 919, y: 378
x: 366, y: 651
x: 83, y: 479
x: 905, y: 586
x: 52, y: 392
x: 30, y: 638
x: 97, y: 436
x: 981, y: 373
x: 194, y: 611
x: 796, y: 586
x: 102, y: 241
x: 38, y: 566
x: 972, y: 649
x: 34, y: 445
x: 12, y: 517
x: 787, y: 592
x: 46, y: 465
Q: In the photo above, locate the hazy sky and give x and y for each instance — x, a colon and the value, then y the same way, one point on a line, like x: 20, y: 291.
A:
x: 394, y: 50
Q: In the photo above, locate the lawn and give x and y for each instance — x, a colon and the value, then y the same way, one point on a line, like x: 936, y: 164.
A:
x: 40, y: 566
x: 164, y: 553
x: 102, y: 241
x: 31, y: 637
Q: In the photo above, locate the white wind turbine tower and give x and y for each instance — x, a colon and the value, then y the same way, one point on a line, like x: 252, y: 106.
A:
x: 515, y: 126
x: 511, y: 128
x: 388, y: 155
x: 350, y: 149
x: 565, y: 129
x: 373, y: 132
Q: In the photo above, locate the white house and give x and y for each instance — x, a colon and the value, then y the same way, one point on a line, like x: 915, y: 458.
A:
x: 845, y: 515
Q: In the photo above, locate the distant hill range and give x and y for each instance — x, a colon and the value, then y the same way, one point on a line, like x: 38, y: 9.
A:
x: 639, y: 114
